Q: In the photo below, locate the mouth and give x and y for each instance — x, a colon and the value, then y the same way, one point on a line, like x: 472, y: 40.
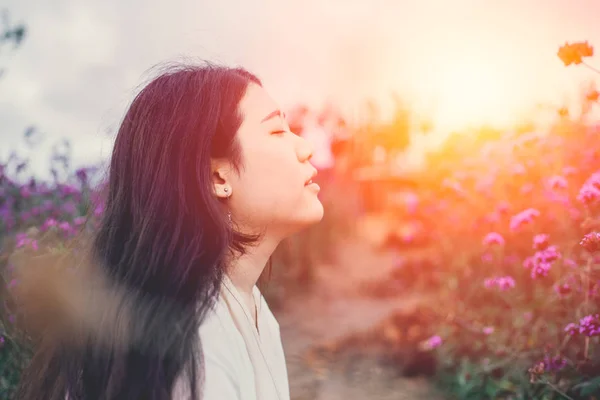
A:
x: 310, y: 180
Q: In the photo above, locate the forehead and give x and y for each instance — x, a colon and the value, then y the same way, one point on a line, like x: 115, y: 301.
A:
x: 256, y: 104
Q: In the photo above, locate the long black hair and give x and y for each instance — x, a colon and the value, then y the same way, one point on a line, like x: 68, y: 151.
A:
x: 163, y: 240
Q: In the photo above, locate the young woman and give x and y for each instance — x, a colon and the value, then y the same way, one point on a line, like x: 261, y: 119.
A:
x: 205, y: 180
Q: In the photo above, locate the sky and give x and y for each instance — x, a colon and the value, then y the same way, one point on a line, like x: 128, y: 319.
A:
x: 463, y: 61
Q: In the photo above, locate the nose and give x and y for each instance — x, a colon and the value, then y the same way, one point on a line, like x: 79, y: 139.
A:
x: 304, y: 149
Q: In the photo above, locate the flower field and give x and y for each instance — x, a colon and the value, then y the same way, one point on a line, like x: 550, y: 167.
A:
x: 510, y: 253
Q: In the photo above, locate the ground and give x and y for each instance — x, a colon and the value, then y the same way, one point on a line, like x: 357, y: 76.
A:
x: 336, y: 308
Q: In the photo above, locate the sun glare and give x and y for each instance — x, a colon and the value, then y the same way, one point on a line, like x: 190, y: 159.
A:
x: 468, y: 91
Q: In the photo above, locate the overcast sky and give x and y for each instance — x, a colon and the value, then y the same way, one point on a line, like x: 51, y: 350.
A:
x: 83, y: 59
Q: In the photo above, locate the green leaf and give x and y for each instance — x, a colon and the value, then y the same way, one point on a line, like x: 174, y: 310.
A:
x: 590, y: 387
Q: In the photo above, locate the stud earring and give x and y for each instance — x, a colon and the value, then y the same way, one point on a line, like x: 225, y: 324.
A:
x: 226, y: 190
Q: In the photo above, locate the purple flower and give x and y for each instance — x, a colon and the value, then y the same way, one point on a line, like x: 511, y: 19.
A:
x: 25, y: 192
x: 541, y: 262
x: 540, y: 241
x: 572, y: 329
x: 527, y: 188
x: 82, y: 174
x: 590, y: 325
x: 503, y: 207
x: 591, y: 242
x: 557, y: 182
x: 503, y: 283
x: 524, y: 217
x: 554, y: 364
x: 69, y: 207
x: 562, y: 289
x: 540, y: 269
x: 590, y: 190
x: 488, y: 330
x: 570, y: 263
x: 434, y: 342
x: 549, y: 254
x: 49, y: 223
x: 68, y: 190
x: 493, y: 238
x: 23, y: 240
x: 487, y: 258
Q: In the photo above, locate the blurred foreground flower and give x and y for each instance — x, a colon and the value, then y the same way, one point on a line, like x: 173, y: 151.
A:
x: 574, y: 53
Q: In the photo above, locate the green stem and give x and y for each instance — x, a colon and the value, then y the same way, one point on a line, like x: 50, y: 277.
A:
x: 557, y: 390
x: 586, y: 304
x: 592, y: 68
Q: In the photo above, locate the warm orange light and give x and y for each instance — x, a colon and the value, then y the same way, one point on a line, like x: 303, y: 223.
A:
x: 473, y: 91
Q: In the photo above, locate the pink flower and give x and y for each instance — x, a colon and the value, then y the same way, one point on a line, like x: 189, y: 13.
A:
x: 519, y: 169
x: 590, y: 190
x: 493, y: 238
x: 570, y: 263
x: 434, y: 342
x: 557, y: 182
x: 503, y: 283
x: 49, y: 223
x: 540, y: 241
x: 524, y: 217
x: 562, y: 289
x: 488, y: 330
x: 527, y: 188
x: 23, y: 240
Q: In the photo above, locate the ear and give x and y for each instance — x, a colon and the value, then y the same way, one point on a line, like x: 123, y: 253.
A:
x: 221, y: 177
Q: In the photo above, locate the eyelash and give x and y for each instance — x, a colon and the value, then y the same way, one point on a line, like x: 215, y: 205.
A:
x: 277, y: 132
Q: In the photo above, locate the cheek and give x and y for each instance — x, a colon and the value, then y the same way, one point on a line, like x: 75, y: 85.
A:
x: 270, y: 184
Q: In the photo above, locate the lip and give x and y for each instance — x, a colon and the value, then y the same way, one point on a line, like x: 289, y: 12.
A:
x: 309, y: 181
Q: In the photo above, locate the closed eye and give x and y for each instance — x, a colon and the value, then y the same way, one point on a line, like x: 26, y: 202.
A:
x: 279, y: 132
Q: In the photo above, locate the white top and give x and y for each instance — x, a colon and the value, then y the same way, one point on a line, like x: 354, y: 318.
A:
x: 241, y: 362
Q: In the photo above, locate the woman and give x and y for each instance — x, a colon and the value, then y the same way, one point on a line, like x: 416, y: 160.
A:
x: 205, y: 180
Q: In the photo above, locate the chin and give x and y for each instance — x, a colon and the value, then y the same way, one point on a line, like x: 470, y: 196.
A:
x: 315, y: 214
x: 309, y: 216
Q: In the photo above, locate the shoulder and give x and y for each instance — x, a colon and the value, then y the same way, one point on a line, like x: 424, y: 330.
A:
x: 219, y: 336
x: 224, y: 362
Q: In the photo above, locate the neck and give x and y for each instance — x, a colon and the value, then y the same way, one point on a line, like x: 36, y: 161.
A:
x: 245, y: 270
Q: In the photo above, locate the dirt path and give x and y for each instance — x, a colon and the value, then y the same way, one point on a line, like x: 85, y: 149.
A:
x: 336, y: 308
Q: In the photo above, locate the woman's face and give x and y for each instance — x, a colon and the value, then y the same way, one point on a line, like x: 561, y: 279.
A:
x: 272, y: 189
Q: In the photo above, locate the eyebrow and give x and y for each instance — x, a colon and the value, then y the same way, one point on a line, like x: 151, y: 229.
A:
x: 273, y: 114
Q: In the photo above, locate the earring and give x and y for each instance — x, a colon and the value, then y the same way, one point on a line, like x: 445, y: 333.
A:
x: 226, y: 190
x: 229, y: 216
